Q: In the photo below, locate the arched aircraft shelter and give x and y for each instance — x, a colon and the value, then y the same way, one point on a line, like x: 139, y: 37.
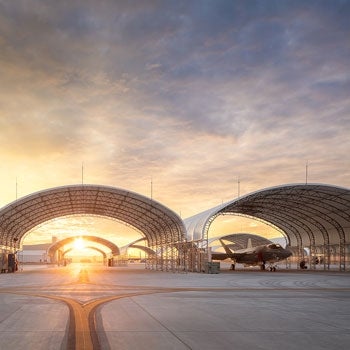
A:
x: 162, y: 228
x: 312, y: 216
x: 57, y: 246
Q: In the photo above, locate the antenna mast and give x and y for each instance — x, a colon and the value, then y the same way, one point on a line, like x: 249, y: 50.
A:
x: 306, y: 171
x: 238, y: 187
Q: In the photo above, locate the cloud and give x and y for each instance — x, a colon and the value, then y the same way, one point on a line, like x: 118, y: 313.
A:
x: 191, y: 94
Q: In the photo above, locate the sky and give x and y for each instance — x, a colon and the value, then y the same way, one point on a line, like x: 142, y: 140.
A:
x: 179, y: 98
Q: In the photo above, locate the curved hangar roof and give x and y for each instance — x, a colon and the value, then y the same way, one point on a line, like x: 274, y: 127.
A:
x: 158, y: 223
x: 308, y: 214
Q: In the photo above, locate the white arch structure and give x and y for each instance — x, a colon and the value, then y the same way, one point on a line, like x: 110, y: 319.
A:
x: 315, y: 216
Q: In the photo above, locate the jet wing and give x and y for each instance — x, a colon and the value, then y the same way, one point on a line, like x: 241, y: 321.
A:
x: 219, y: 256
x: 223, y: 256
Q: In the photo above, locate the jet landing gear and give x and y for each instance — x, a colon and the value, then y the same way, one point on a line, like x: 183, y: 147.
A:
x: 272, y: 268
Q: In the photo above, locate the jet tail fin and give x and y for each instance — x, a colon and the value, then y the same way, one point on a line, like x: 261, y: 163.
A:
x: 227, y: 249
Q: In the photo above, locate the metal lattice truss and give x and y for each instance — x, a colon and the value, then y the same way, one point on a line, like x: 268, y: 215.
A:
x: 159, y: 225
x: 310, y: 215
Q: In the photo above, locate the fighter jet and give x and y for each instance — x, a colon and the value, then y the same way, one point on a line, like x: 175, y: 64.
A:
x: 254, y: 256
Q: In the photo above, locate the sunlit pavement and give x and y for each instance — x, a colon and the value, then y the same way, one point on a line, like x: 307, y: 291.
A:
x: 95, y: 307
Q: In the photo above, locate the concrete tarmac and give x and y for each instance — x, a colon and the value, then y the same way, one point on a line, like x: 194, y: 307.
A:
x: 133, y: 308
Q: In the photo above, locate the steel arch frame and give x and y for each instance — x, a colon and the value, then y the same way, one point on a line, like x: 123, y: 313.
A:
x: 314, y: 213
x: 161, y: 226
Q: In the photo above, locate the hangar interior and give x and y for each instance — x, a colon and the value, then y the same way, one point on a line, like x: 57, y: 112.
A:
x: 312, y: 217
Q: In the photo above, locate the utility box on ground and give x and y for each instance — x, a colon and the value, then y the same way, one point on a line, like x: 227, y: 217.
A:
x: 212, y: 267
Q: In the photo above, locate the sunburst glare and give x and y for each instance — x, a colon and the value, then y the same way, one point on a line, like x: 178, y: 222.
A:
x: 79, y: 244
